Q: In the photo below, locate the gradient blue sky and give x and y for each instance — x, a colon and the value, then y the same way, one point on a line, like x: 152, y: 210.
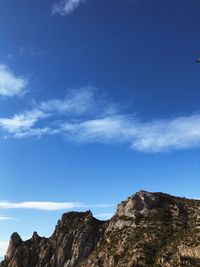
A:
x: 98, y: 99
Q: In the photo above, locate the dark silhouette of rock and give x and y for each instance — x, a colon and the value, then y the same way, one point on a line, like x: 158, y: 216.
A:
x: 147, y: 230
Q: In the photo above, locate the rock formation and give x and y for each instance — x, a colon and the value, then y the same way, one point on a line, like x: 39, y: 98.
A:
x: 147, y: 230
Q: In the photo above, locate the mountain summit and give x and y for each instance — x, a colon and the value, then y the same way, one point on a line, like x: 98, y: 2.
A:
x: 147, y: 230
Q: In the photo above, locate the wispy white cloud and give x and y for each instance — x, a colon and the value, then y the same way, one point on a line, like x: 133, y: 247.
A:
x: 40, y: 205
x: 10, y: 83
x: 153, y: 136
x: 77, y: 102
x: 101, y: 130
x: 168, y: 134
x: 85, y: 116
x: 48, y: 206
x: 32, y: 132
x: 21, y: 122
x: 65, y: 7
x: 20, y: 125
x: 6, y: 218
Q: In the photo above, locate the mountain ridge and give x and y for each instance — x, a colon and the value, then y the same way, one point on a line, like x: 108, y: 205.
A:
x: 147, y: 230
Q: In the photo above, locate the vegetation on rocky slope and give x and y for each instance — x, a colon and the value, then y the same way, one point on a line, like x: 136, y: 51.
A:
x: 148, y: 229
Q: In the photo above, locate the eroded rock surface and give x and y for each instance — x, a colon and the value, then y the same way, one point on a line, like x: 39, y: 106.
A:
x: 148, y: 229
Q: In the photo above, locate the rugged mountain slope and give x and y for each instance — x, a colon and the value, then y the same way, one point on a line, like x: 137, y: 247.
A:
x: 148, y: 229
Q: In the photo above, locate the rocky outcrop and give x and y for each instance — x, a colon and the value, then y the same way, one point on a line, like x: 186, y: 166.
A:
x: 148, y: 229
x: 74, y: 238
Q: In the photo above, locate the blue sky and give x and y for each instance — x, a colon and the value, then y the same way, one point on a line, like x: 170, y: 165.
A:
x: 98, y: 99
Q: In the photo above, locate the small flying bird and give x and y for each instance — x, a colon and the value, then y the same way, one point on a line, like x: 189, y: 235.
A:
x: 198, y: 60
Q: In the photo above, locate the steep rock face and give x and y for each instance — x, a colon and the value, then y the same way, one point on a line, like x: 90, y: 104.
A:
x: 75, y: 236
x: 148, y: 229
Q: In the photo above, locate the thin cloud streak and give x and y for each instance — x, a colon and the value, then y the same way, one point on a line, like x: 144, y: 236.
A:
x: 49, y: 206
x: 5, y: 218
x: 11, y: 84
x: 65, y: 7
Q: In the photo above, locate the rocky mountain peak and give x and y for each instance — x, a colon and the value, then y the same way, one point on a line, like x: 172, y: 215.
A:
x: 148, y: 230
x: 15, y: 242
x: 35, y: 237
x: 15, y: 239
x: 141, y: 202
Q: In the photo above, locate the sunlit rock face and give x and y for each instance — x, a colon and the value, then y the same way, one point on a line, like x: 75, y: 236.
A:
x: 148, y: 229
x: 138, y: 203
x: 143, y: 203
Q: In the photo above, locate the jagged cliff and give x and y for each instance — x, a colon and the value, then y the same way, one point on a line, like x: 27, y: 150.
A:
x: 148, y: 229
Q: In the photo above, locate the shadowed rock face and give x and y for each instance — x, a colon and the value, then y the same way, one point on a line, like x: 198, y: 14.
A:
x: 148, y: 229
